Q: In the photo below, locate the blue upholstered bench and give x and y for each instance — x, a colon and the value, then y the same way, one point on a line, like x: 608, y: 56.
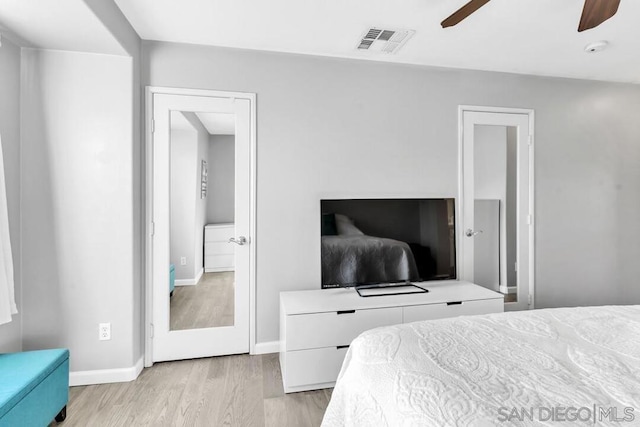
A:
x: 34, y: 387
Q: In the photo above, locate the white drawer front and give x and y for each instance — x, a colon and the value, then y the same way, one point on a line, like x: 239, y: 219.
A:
x: 219, y: 248
x: 309, y: 367
x: 219, y: 261
x: 453, y: 309
x: 306, y: 331
x: 218, y: 234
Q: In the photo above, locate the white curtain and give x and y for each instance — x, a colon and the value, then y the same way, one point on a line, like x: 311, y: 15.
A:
x: 7, y: 291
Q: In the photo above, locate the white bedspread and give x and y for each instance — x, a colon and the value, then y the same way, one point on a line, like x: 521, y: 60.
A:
x: 473, y: 371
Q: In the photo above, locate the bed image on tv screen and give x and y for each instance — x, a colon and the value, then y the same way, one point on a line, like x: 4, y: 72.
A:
x: 377, y: 241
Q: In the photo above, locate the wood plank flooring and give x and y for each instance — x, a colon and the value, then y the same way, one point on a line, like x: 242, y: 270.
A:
x: 511, y: 298
x: 208, y: 304
x: 232, y: 391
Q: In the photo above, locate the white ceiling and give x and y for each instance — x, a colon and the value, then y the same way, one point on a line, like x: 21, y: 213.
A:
x: 59, y: 24
x: 525, y: 36
x: 218, y: 123
x: 214, y: 123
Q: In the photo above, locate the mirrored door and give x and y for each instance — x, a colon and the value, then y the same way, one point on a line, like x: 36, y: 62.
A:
x: 201, y: 214
x: 497, y: 200
x: 202, y: 220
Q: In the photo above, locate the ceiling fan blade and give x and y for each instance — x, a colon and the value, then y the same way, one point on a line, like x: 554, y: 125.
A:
x: 463, y: 12
x: 595, y: 12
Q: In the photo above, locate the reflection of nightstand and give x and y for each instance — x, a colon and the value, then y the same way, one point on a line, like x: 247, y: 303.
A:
x: 219, y: 254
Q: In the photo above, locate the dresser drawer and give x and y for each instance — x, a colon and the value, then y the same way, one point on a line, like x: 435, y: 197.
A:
x: 312, y: 367
x: 219, y: 234
x: 219, y: 248
x: 307, y: 331
x: 455, y: 308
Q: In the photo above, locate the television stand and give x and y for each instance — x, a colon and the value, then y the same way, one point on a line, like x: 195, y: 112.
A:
x: 317, y: 326
x: 385, y: 289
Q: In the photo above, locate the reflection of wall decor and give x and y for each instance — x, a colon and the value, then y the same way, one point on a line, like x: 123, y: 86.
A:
x: 203, y: 180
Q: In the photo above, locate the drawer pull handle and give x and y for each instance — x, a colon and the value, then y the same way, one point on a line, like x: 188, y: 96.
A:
x: 346, y: 312
x: 455, y: 303
x: 340, y: 347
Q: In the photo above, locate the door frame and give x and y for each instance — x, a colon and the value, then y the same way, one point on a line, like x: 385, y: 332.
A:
x: 460, y: 205
x: 150, y: 91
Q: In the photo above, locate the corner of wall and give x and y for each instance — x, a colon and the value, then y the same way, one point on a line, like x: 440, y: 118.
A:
x: 10, y: 106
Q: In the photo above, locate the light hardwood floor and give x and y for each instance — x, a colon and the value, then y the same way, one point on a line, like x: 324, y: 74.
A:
x: 239, y: 390
x: 511, y: 298
x: 208, y: 304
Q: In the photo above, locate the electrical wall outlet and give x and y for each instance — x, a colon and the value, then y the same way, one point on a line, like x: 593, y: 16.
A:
x: 104, y: 331
x: 183, y: 260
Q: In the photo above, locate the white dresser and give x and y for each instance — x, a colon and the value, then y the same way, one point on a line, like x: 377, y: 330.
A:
x: 317, y: 326
x: 219, y: 254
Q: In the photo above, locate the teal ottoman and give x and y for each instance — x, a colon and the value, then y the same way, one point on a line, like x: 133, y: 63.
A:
x: 34, y: 387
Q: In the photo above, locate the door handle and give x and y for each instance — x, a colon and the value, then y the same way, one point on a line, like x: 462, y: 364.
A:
x: 239, y: 241
x: 471, y: 233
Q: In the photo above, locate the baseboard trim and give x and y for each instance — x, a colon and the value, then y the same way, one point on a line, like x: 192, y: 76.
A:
x: 219, y: 270
x: 508, y: 289
x: 267, y: 347
x: 106, y: 376
x: 190, y: 282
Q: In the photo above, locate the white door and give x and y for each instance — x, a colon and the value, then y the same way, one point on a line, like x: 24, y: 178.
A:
x: 486, y: 245
x: 206, y: 314
x: 497, y: 171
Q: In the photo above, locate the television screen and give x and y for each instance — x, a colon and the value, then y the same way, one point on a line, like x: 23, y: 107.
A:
x: 378, y: 241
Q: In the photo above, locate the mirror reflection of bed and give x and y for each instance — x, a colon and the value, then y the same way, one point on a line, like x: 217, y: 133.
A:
x: 202, y: 220
x: 379, y: 241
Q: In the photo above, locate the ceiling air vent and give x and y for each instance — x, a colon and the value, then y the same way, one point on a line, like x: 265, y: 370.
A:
x: 387, y: 41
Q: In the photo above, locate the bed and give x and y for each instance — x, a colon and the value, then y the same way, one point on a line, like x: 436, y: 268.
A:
x: 517, y: 368
x: 349, y: 259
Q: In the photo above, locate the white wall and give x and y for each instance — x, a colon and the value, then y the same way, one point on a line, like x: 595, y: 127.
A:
x: 10, y: 335
x: 189, y: 146
x: 117, y: 24
x: 221, y: 197
x: 78, y: 207
x: 495, y: 178
x: 490, y: 184
x: 329, y: 126
x: 490, y: 162
x: 512, y: 204
x: 202, y: 153
x: 183, y: 200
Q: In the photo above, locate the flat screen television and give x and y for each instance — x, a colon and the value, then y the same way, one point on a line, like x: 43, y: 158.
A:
x: 386, y: 241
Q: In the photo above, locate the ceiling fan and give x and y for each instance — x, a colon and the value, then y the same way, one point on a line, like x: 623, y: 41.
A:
x: 595, y: 12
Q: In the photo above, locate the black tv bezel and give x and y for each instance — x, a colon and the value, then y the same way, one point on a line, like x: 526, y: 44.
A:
x: 455, y: 275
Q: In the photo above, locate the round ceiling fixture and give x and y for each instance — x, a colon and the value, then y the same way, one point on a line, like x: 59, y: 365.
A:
x: 596, y: 46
